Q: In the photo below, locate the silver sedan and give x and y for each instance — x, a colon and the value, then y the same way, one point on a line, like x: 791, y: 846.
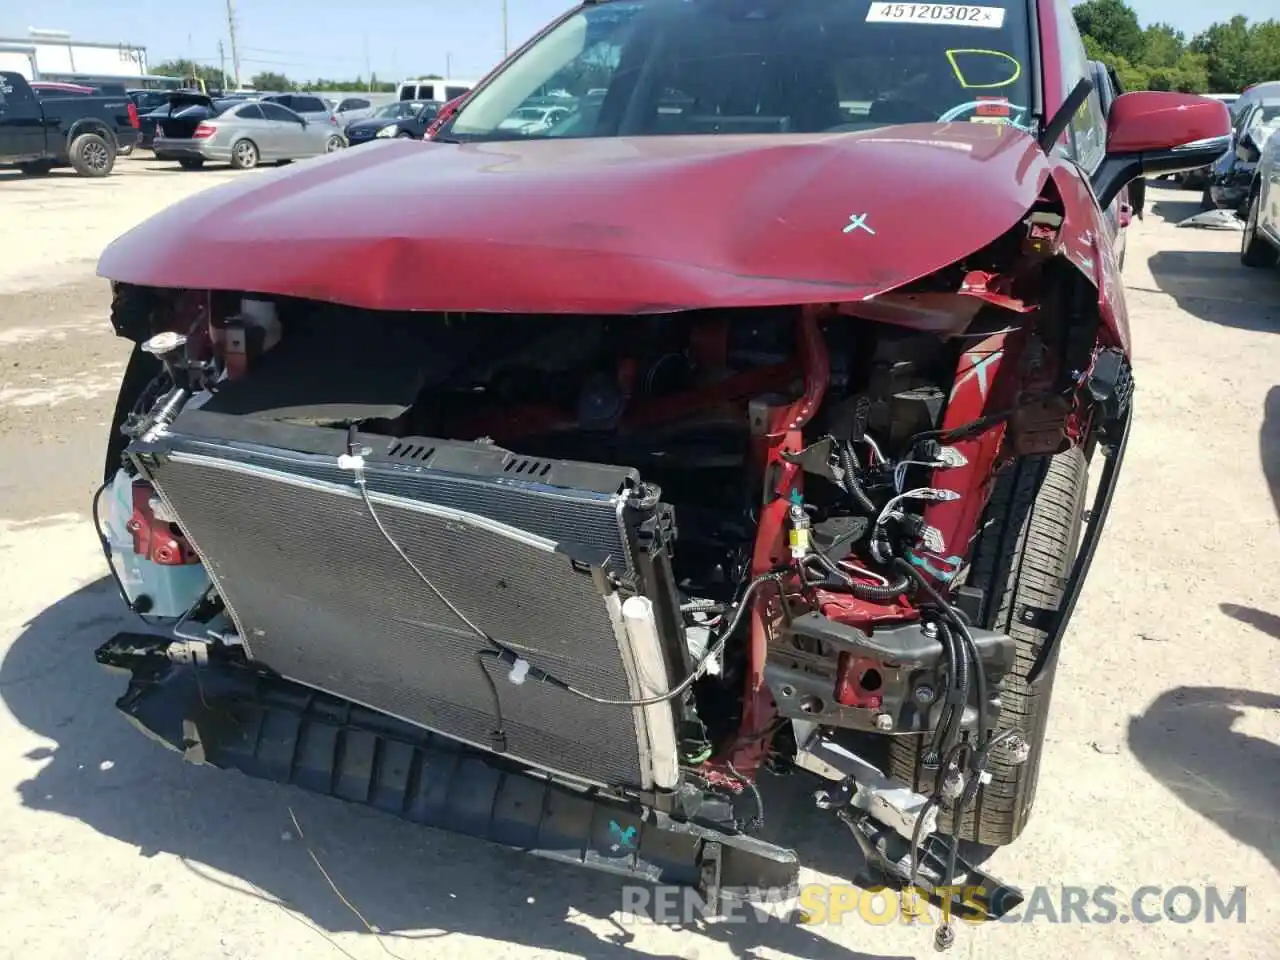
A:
x: 244, y: 135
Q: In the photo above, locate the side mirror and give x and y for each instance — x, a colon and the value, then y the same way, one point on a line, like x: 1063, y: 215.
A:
x: 1152, y: 132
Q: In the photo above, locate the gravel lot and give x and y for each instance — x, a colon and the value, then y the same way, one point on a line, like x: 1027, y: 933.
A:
x: 1163, y: 766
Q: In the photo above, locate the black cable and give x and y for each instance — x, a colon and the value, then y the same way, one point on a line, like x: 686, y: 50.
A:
x: 498, y: 735
x: 863, y: 591
x: 967, y: 638
x: 980, y: 680
x: 743, y: 606
x: 105, y: 543
x: 506, y: 655
x: 958, y: 691
x: 849, y: 464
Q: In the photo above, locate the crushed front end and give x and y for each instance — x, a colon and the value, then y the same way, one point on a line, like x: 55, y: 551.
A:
x: 571, y: 583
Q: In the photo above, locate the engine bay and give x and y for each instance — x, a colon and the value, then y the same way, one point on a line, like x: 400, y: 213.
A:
x: 688, y: 402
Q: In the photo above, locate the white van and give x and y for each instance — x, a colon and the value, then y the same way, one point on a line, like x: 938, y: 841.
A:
x: 441, y: 90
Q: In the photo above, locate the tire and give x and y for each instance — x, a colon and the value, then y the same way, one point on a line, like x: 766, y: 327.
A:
x: 244, y: 155
x: 191, y: 163
x: 404, y: 135
x: 1255, y: 251
x: 1206, y: 200
x: 334, y: 144
x: 1023, y: 556
x: 36, y: 168
x: 92, y: 155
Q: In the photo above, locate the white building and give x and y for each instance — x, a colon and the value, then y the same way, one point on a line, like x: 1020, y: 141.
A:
x: 60, y: 58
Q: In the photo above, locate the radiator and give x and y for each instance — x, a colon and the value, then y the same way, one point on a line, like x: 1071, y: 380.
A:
x: 543, y: 556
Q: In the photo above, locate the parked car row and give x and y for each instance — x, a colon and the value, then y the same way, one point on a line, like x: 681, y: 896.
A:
x: 243, y: 133
x: 243, y: 130
x: 1238, y: 104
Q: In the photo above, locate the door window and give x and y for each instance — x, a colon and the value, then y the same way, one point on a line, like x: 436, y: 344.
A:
x: 251, y: 112
x: 308, y: 105
x: 1087, y: 135
x: 274, y: 111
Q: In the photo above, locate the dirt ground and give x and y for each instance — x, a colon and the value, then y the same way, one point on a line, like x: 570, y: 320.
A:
x: 1162, y: 768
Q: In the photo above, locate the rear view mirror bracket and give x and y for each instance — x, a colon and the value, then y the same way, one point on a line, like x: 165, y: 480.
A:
x: 1062, y: 116
x: 1118, y: 170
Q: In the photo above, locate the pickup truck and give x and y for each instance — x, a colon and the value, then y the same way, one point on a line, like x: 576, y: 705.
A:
x: 38, y: 133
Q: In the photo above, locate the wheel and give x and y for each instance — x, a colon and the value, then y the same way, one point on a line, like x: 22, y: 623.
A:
x: 36, y: 168
x: 125, y: 151
x: 1206, y: 200
x: 91, y: 155
x: 1022, y: 558
x: 244, y: 155
x: 404, y: 135
x: 1255, y: 251
x: 191, y: 163
x: 333, y: 144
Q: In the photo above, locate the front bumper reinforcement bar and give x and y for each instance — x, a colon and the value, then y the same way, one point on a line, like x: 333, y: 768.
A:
x: 225, y: 715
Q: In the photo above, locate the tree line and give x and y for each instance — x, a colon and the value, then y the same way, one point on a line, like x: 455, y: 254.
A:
x: 270, y: 80
x: 1225, y: 58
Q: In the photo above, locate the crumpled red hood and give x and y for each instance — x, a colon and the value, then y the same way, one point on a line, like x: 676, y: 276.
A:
x: 598, y: 226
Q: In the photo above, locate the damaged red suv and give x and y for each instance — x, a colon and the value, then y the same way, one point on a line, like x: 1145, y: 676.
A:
x: 739, y: 422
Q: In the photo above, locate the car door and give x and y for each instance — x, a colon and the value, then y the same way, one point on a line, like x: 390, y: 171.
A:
x: 1086, y: 137
x: 1269, y: 184
x: 287, y: 131
x: 254, y: 123
x: 21, y: 119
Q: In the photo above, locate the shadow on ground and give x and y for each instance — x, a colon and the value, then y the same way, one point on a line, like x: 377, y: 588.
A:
x: 1186, y: 740
x: 1175, y: 211
x: 1214, y: 286
x: 401, y: 877
x: 13, y: 174
x: 1268, y: 623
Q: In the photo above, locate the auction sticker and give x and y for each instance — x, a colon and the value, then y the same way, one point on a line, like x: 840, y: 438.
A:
x: 942, y: 14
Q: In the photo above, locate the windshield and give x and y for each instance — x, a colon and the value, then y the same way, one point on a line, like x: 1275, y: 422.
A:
x: 402, y: 108
x: 652, y: 67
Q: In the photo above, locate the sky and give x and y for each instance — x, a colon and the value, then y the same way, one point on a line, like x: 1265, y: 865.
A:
x: 309, y: 39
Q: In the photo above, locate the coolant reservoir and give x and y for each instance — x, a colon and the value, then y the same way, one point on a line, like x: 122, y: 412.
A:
x: 164, y: 590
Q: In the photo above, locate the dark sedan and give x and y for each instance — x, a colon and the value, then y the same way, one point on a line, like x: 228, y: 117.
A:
x: 405, y: 119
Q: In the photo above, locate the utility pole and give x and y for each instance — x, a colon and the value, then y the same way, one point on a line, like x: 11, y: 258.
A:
x: 222, y: 63
x: 448, y: 64
x: 235, y: 52
x: 506, y: 49
x: 368, y: 70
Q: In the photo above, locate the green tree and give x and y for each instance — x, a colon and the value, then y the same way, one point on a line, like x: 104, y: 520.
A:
x: 1114, y: 25
x: 188, y: 69
x: 269, y: 80
x: 1262, y: 59
x: 1226, y: 50
x: 1162, y: 45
